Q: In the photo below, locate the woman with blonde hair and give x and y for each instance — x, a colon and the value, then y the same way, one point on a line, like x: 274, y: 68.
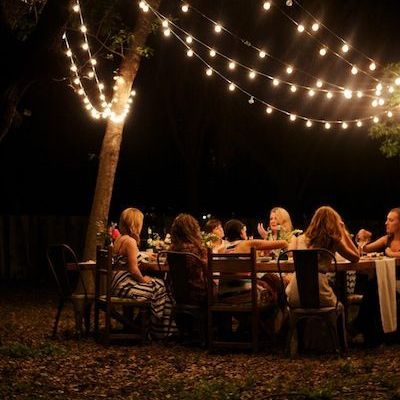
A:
x: 280, y: 226
x: 326, y: 231
x: 132, y: 283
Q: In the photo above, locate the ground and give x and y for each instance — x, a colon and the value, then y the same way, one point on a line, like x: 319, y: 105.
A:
x: 34, y: 366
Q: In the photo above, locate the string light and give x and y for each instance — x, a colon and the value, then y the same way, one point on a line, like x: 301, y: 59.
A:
x: 323, y: 51
x: 308, y: 124
x: 315, y: 27
x: 189, y: 39
x: 376, y: 120
x: 269, y: 110
x: 267, y: 5
x: 209, y: 71
x: 300, y: 28
x: 359, y: 124
x: 345, y: 48
x: 252, y: 74
x: 289, y: 69
x: 218, y: 28
x: 232, y: 65
x: 354, y: 70
x: 389, y: 114
x: 293, y: 88
x: 262, y: 54
x: 185, y: 8
x: 292, y: 116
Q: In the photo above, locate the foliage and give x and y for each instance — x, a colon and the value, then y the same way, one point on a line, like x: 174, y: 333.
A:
x: 20, y: 350
x: 387, y: 132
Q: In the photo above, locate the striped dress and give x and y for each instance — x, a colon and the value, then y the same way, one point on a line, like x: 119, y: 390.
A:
x: 124, y: 285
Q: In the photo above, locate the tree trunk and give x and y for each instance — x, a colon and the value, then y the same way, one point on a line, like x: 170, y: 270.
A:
x: 113, y: 136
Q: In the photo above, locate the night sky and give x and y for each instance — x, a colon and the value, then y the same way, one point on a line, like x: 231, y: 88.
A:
x: 190, y: 145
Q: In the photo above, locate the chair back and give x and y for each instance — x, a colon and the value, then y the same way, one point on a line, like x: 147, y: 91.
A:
x: 307, y: 265
x: 104, y: 270
x: 65, y: 269
x: 183, y: 266
x: 237, y: 266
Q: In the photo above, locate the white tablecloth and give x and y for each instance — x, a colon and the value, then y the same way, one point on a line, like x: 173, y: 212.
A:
x: 386, y: 277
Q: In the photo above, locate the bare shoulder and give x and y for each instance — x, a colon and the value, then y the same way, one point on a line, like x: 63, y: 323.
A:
x: 125, y: 244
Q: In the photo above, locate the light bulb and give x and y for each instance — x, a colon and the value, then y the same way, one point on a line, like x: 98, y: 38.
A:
x: 374, y: 103
x: 344, y: 125
x: 145, y: 8
x: 329, y: 95
x: 142, y: 4
x: 308, y: 124
x: 77, y: 81
x: 93, y: 61
x: 189, y: 39
x: 209, y: 71
x: 315, y: 27
x: 293, y: 88
x: 381, y: 102
x: 91, y: 74
x: 85, y: 46
x: 218, y: 28
x: 268, y: 110
x: 379, y: 86
x: 378, y: 92
x: 391, y: 89
x: 345, y: 48
x: 165, y: 23
x: 232, y: 87
x: 289, y: 69
x: 359, y: 124
x: 300, y: 28
x: 289, y: 3
x: 185, y: 8
x: 189, y: 53
x: 83, y: 29
x: 397, y: 81
x: 167, y: 32
x: 212, y: 53
x: 372, y: 66
x: 232, y: 65
x: 102, y: 97
x: 319, y: 83
x: 322, y: 51
x: 81, y: 92
x: 292, y: 117
x: 252, y: 74
x: 275, y: 82
x: 376, y: 120
x: 133, y: 93
x: 354, y: 70
x: 360, y: 94
x: 262, y: 54
x: 101, y: 86
x: 348, y: 94
x: 69, y: 53
x: 74, y: 68
x: 76, y: 8
x: 88, y: 107
x: 267, y: 5
x: 327, y: 125
x: 311, y: 93
x: 389, y: 114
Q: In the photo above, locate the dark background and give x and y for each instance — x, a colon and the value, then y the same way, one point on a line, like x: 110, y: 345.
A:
x: 190, y: 145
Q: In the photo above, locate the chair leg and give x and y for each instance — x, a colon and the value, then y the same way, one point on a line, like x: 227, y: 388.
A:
x: 58, y: 314
x: 255, y: 331
x: 343, y: 332
x: 96, y: 319
x: 292, y: 343
x: 210, y: 331
x: 87, y: 315
x: 333, y: 332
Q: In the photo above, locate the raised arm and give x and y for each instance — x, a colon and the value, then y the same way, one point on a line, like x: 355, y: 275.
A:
x: 346, y: 248
x: 377, y: 245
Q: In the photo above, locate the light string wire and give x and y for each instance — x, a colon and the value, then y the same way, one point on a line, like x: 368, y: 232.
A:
x: 278, y: 60
x: 292, y: 84
x: 270, y: 107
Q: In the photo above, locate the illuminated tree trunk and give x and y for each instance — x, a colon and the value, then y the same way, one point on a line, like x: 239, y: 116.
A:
x: 113, y: 136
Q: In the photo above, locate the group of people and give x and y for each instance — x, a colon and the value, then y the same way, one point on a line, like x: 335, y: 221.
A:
x: 326, y: 230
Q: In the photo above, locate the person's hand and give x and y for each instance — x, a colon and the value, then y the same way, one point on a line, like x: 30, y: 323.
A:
x: 147, y: 279
x: 261, y: 230
x: 389, y: 252
x: 363, y: 236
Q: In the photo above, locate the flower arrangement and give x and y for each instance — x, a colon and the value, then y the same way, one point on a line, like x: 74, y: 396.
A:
x: 156, y: 243
x: 210, y: 239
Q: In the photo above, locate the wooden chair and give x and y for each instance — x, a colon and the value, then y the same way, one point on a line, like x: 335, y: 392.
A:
x: 133, y: 311
x: 190, y: 314
x: 222, y: 267
x: 306, y: 264
x: 67, y: 280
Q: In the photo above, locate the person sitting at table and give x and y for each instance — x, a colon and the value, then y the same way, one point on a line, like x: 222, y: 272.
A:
x: 368, y: 321
x: 186, y: 237
x: 132, y: 284
x: 280, y: 227
x: 327, y: 231
x: 237, y: 242
x: 214, y: 227
x: 389, y: 243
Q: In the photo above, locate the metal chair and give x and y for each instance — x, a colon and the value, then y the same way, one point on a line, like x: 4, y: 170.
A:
x: 306, y: 264
x: 134, y: 315
x: 189, y: 310
x: 66, y: 271
x: 235, y: 267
